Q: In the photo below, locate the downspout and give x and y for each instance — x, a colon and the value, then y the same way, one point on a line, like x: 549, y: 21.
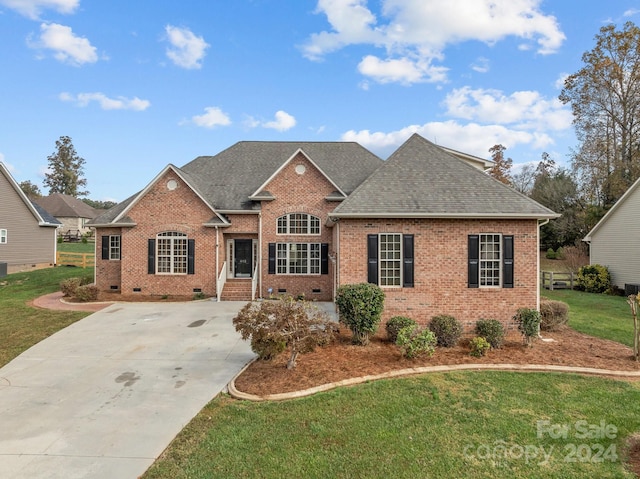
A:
x: 217, y: 276
x: 336, y: 263
x: 259, y: 271
x: 538, y: 265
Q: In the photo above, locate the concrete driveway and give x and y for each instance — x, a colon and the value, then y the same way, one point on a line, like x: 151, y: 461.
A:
x: 104, y: 397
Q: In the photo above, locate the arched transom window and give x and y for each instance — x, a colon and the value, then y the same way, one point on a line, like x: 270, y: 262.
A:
x: 171, y: 253
x: 298, y: 224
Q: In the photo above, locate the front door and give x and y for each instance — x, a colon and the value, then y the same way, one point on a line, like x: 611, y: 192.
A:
x: 243, y: 258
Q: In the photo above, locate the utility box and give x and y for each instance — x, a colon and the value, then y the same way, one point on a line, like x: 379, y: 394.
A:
x: 3, y: 269
x: 631, y: 288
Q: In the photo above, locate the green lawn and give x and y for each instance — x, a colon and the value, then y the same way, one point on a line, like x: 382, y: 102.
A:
x: 22, y: 326
x: 78, y: 247
x: 599, y: 315
x: 466, y: 425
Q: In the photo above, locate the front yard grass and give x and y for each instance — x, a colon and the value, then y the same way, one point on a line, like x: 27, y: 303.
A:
x: 79, y: 247
x: 467, y: 425
x: 22, y: 326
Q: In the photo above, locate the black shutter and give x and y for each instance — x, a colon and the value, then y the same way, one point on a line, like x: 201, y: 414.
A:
x: 151, y: 256
x: 105, y: 247
x: 372, y: 259
x: 324, y: 258
x: 191, y: 254
x: 272, y: 258
x: 507, y: 262
x: 407, y: 261
x: 474, y: 264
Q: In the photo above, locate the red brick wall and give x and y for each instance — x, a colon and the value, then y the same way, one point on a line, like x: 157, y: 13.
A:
x: 297, y: 193
x: 107, y: 271
x: 440, y: 272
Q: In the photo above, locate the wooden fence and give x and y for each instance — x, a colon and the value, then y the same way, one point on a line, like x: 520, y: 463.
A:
x: 551, y: 280
x: 83, y: 260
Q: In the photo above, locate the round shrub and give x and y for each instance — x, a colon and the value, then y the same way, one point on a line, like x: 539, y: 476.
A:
x: 593, y: 278
x: 479, y: 346
x: 360, y: 307
x: 447, y: 330
x: 69, y: 286
x: 550, y: 254
x: 414, y: 342
x: 87, y: 292
x: 492, y: 330
x: 553, y: 314
x: 395, y: 324
x: 528, y: 321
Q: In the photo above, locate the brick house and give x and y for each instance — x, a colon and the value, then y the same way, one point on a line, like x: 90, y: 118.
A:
x: 264, y: 218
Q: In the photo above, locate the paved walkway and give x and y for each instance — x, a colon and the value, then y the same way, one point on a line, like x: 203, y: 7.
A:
x: 104, y: 397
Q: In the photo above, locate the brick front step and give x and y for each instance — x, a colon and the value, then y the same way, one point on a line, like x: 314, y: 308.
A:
x: 236, y: 290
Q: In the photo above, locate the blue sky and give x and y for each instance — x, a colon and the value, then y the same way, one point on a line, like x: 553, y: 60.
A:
x: 138, y: 85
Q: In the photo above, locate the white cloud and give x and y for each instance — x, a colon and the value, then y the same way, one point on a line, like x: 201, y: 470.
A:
x: 33, y: 8
x: 186, y: 50
x: 212, y: 117
x: 481, y: 65
x: 67, y: 47
x: 471, y: 138
x: 283, y: 121
x: 559, y: 83
x: 106, y: 103
x: 416, y: 32
x: 631, y: 12
x: 522, y: 109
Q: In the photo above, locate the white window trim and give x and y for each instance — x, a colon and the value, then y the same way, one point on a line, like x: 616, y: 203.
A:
x: 172, y: 236
x: 288, y: 259
x: 4, y: 236
x: 113, y: 248
x: 400, y: 260
x: 498, y: 260
x: 288, y: 225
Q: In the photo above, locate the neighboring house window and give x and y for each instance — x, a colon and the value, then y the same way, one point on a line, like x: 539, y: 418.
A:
x: 298, y: 258
x: 390, y: 260
x: 3, y: 236
x: 298, y: 224
x: 490, y: 261
x: 111, y: 247
x: 171, y: 252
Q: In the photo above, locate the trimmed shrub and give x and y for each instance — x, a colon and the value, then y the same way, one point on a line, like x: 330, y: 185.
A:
x: 87, y: 292
x: 395, y: 324
x: 560, y: 253
x: 550, y: 254
x: 553, y: 314
x: 447, y: 330
x: 479, y: 346
x: 414, y: 342
x: 528, y: 321
x: 593, y: 278
x: 492, y: 330
x: 360, y: 307
x: 69, y: 286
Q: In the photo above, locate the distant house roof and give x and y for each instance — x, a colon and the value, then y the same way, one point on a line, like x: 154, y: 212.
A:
x: 66, y: 206
x: 423, y: 180
x: 39, y: 213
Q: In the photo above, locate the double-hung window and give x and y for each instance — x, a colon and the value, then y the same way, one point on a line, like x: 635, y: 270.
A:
x: 490, y: 262
x: 298, y: 258
x: 390, y: 260
x: 3, y: 236
x: 111, y: 247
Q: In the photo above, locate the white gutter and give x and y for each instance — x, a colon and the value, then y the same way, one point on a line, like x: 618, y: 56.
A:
x: 538, y: 267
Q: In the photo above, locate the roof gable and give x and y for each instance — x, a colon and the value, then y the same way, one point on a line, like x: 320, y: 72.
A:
x: 420, y: 179
x: 629, y: 194
x: 40, y: 214
x: 66, y: 206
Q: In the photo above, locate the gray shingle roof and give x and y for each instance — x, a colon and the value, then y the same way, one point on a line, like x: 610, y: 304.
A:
x: 230, y: 177
x: 422, y: 180
x: 49, y: 219
x: 66, y: 206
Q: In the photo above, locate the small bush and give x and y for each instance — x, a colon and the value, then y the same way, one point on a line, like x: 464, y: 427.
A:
x: 395, y: 324
x: 360, y: 307
x: 560, y: 253
x: 528, y: 324
x: 69, y: 286
x: 593, y: 278
x: 447, y: 330
x: 267, y: 348
x: 87, y: 292
x: 492, y: 330
x: 553, y: 314
x: 414, y: 342
x: 551, y: 254
x: 479, y: 346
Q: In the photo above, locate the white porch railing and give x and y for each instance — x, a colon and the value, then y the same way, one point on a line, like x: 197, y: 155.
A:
x: 254, y: 283
x: 222, y: 279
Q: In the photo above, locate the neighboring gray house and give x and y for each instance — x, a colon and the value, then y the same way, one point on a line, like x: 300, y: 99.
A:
x: 615, y: 241
x: 27, y: 231
x: 70, y: 211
